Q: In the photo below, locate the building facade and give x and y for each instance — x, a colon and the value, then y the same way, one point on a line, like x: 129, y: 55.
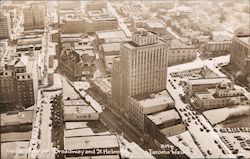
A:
x: 5, y: 26
x: 142, y: 69
x: 181, y: 52
x: 240, y: 53
x: 16, y: 87
x: 224, y: 95
x: 34, y: 16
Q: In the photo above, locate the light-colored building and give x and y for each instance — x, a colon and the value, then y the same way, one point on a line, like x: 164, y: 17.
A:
x: 225, y: 94
x: 78, y: 110
x: 108, y: 52
x: 201, y: 85
x: 181, y: 52
x: 240, y: 53
x: 69, y: 5
x: 5, y: 26
x: 34, y: 16
x: 217, y: 47
x: 142, y: 70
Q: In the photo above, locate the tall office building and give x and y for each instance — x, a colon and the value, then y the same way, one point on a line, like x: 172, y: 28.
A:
x: 240, y: 53
x: 34, y: 16
x: 16, y: 86
x: 5, y: 26
x: 69, y: 5
x: 142, y: 68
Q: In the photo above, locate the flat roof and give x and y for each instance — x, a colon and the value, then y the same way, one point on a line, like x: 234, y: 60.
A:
x: 75, y: 102
x: 78, y: 109
x: 155, y: 23
x: 132, y: 45
x: 104, y: 84
x: 110, y: 47
x: 110, y: 34
x: 75, y: 125
x: 83, y: 132
x: 177, y: 44
x: 91, y: 142
x: 20, y: 149
x: 245, y: 40
x: 204, y: 95
x: 16, y: 136
x: 205, y: 81
x: 17, y: 118
x: 136, y: 151
x: 164, y: 116
x: 161, y: 97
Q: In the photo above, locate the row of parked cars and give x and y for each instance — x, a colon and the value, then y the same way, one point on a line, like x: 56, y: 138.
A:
x: 234, y: 130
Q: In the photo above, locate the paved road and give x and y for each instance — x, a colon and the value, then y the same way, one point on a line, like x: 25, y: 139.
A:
x: 203, y: 138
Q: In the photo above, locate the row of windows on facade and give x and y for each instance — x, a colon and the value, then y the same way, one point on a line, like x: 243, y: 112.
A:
x: 184, y: 51
x: 23, y: 77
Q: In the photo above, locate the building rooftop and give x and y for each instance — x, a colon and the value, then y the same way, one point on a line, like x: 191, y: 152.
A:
x: 157, y: 98
x: 88, y: 128
x: 205, y: 81
x: 83, y: 132
x: 154, y: 23
x: 110, y: 34
x: 177, y: 44
x: 111, y: 47
x: 78, y: 109
x: 245, y: 40
x: 91, y: 142
x: 20, y: 149
x: 104, y: 84
x: 16, y: 118
x: 164, y: 116
x: 74, y: 102
x: 204, y: 95
x: 16, y: 136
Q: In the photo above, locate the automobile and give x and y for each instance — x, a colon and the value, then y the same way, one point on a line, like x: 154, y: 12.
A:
x: 215, y: 130
x: 235, y: 151
x: 181, y: 110
x: 201, y: 129
x: 186, y: 114
x: 196, y: 122
x: 210, y: 59
x: 223, y: 151
x: 207, y: 130
x: 193, y: 117
x: 215, y: 142
x: 208, y: 152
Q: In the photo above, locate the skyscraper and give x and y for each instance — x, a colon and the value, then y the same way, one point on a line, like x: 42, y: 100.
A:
x: 34, y: 16
x: 5, y: 26
x: 142, y: 68
x: 240, y: 53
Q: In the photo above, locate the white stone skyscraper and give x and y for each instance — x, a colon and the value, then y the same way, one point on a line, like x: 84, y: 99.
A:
x: 142, y: 68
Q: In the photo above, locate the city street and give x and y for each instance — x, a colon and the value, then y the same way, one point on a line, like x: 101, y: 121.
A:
x: 205, y: 140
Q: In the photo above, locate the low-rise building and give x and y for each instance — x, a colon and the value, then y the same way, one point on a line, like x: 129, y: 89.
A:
x: 16, y: 121
x: 92, y: 139
x: 217, y: 47
x: 144, y: 104
x: 200, y: 85
x: 224, y: 95
x: 164, y: 124
x: 78, y: 61
x: 78, y: 110
x: 181, y: 52
x: 108, y: 52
